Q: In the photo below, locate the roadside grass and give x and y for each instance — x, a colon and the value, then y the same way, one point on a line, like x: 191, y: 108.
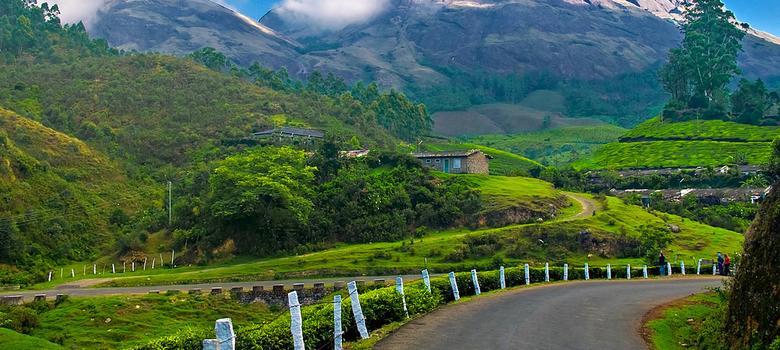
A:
x: 711, y: 130
x: 503, y: 162
x: 11, y: 340
x: 670, y: 154
x: 463, y: 249
x: 687, y: 324
x: 558, y: 146
x: 123, y: 321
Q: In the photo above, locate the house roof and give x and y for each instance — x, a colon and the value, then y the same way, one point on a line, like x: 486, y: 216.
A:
x: 445, y: 154
x: 292, y: 131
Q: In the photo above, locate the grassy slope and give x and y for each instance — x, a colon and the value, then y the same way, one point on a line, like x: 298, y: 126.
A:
x: 554, y: 146
x: 673, y: 328
x: 10, y: 340
x: 694, y: 241
x: 503, y: 163
x: 685, y: 144
x: 123, y: 321
x: 54, y: 179
x: 712, y: 130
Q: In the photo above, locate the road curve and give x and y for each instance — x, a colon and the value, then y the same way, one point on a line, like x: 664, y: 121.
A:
x: 579, y: 315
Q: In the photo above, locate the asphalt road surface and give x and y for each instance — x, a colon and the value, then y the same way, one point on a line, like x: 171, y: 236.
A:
x: 596, y: 315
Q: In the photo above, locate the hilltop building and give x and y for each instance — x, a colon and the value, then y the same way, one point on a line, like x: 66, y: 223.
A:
x: 289, y: 135
x: 456, y: 162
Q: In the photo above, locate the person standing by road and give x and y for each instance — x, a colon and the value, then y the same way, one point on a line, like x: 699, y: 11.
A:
x: 662, y: 263
x: 720, y: 263
x: 727, y: 266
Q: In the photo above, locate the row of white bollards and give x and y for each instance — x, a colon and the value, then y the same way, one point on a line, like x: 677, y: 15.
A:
x: 113, y: 267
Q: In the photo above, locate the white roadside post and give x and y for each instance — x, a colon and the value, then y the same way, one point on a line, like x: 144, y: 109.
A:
x: 173, y: 256
x: 49, y: 276
x: 296, y: 322
x: 162, y: 262
x: 565, y: 272
x: 427, y: 279
x: 698, y: 267
x: 682, y: 267
x: 72, y: 273
x: 609, y: 271
x: 153, y: 260
x: 338, y: 333
x: 211, y: 344
x: 145, y: 263
x: 644, y: 272
x: 628, y: 271
x: 357, y: 311
x: 527, y: 275
x: 454, y: 286
x: 475, y: 280
x: 669, y: 267
x: 399, y: 287
x: 547, y: 272
x: 124, y: 266
x: 113, y: 268
x: 225, y: 334
x: 132, y: 266
x: 501, y: 278
x: 587, y: 272
x: 94, y: 269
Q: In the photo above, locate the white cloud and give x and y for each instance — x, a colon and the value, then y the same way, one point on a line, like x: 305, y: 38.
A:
x: 331, y: 14
x: 74, y: 11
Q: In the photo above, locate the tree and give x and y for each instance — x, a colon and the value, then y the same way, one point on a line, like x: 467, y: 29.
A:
x: 698, y: 72
x: 211, y: 58
x: 261, y: 198
x: 750, y: 102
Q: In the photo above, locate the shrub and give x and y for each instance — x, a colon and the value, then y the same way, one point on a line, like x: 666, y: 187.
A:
x: 22, y: 319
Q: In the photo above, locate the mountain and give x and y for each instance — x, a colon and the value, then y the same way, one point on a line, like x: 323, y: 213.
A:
x: 181, y: 27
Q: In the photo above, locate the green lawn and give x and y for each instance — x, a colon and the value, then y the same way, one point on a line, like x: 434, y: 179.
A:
x: 513, y: 245
x: 503, y: 192
x: 10, y: 340
x: 684, y: 323
x: 554, y: 146
x: 710, y: 130
x: 123, y: 321
x: 503, y: 163
x: 667, y: 154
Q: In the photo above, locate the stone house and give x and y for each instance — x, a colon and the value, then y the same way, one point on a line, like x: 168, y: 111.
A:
x: 456, y: 162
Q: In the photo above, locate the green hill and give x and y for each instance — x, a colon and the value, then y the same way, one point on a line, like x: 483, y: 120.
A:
x: 12, y: 340
x: 701, y: 143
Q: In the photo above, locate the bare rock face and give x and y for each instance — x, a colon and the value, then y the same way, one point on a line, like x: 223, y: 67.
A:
x: 183, y: 26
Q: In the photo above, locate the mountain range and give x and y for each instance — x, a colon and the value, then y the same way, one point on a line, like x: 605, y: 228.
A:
x: 429, y: 45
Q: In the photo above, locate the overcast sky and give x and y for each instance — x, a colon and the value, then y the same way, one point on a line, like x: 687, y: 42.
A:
x: 761, y: 14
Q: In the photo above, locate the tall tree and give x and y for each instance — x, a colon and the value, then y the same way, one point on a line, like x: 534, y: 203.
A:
x: 698, y: 72
x: 750, y: 102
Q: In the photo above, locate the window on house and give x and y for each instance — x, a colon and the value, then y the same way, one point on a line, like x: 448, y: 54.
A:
x: 456, y: 163
x: 427, y: 160
x: 438, y: 161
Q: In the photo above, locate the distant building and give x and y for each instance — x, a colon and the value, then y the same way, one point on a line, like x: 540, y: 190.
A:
x: 456, y: 162
x: 291, y: 134
x: 358, y: 153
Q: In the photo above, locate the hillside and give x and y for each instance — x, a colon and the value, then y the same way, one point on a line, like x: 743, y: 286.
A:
x: 702, y: 143
x: 556, y: 146
x: 56, y: 195
x: 503, y: 163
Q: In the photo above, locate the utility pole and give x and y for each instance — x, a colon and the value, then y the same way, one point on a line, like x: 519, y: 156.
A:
x: 170, y: 212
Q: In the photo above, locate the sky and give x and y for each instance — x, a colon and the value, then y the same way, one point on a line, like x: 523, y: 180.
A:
x: 761, y: 14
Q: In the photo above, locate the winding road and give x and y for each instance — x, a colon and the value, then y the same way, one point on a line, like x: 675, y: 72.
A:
x: 598, y: 315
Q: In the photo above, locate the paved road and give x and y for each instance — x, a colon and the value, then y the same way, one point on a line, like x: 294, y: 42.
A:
x: 596, y: 315
x: 205, y: 287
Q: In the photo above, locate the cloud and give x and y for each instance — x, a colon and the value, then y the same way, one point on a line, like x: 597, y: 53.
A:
x: 74, y: 11
x: 331, y: 14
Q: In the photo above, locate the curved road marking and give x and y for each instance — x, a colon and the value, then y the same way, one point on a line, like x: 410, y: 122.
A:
x: 596, y: 315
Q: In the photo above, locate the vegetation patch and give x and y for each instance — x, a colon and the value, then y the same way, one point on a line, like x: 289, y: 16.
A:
x: 657, y: 129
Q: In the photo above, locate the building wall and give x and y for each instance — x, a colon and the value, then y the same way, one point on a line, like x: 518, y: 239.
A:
x: 476, y: 163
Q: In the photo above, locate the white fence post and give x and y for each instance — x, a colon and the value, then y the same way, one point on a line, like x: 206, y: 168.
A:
x: 587, y: 272
x: 644, y: 272
x: 714, y: 268
x: 357, y: 311
x: 547, y: 272
x: 72, y: 273
x: 565, y: 272
x: 399, y: 287
x: 475, y: 280
x: 682, y: 267
x: 454, y: 286
x: 527, y: 275
x: 225, y: 334
x: 628, y: 271
x: 211, y: 344
x: 113, y: 268
x: 145, y: 263
x: 94, y: 269
x: 609, y: 271
x: 338, y: 333
x: 173, y: 256
x: 669, y: 267
x: 427, y: 280
x: 124, y: 266
x: 132, y: 266
x: 153, y: 260
x: 49, y: 276
x: 698, y: 267
x: 501, y: 278
x: 296, y: 322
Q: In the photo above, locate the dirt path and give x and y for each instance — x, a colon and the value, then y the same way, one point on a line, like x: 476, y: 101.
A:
x: 589, y: 206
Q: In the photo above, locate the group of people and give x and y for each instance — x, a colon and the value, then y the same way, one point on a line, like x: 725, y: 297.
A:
x: 724, y: 264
